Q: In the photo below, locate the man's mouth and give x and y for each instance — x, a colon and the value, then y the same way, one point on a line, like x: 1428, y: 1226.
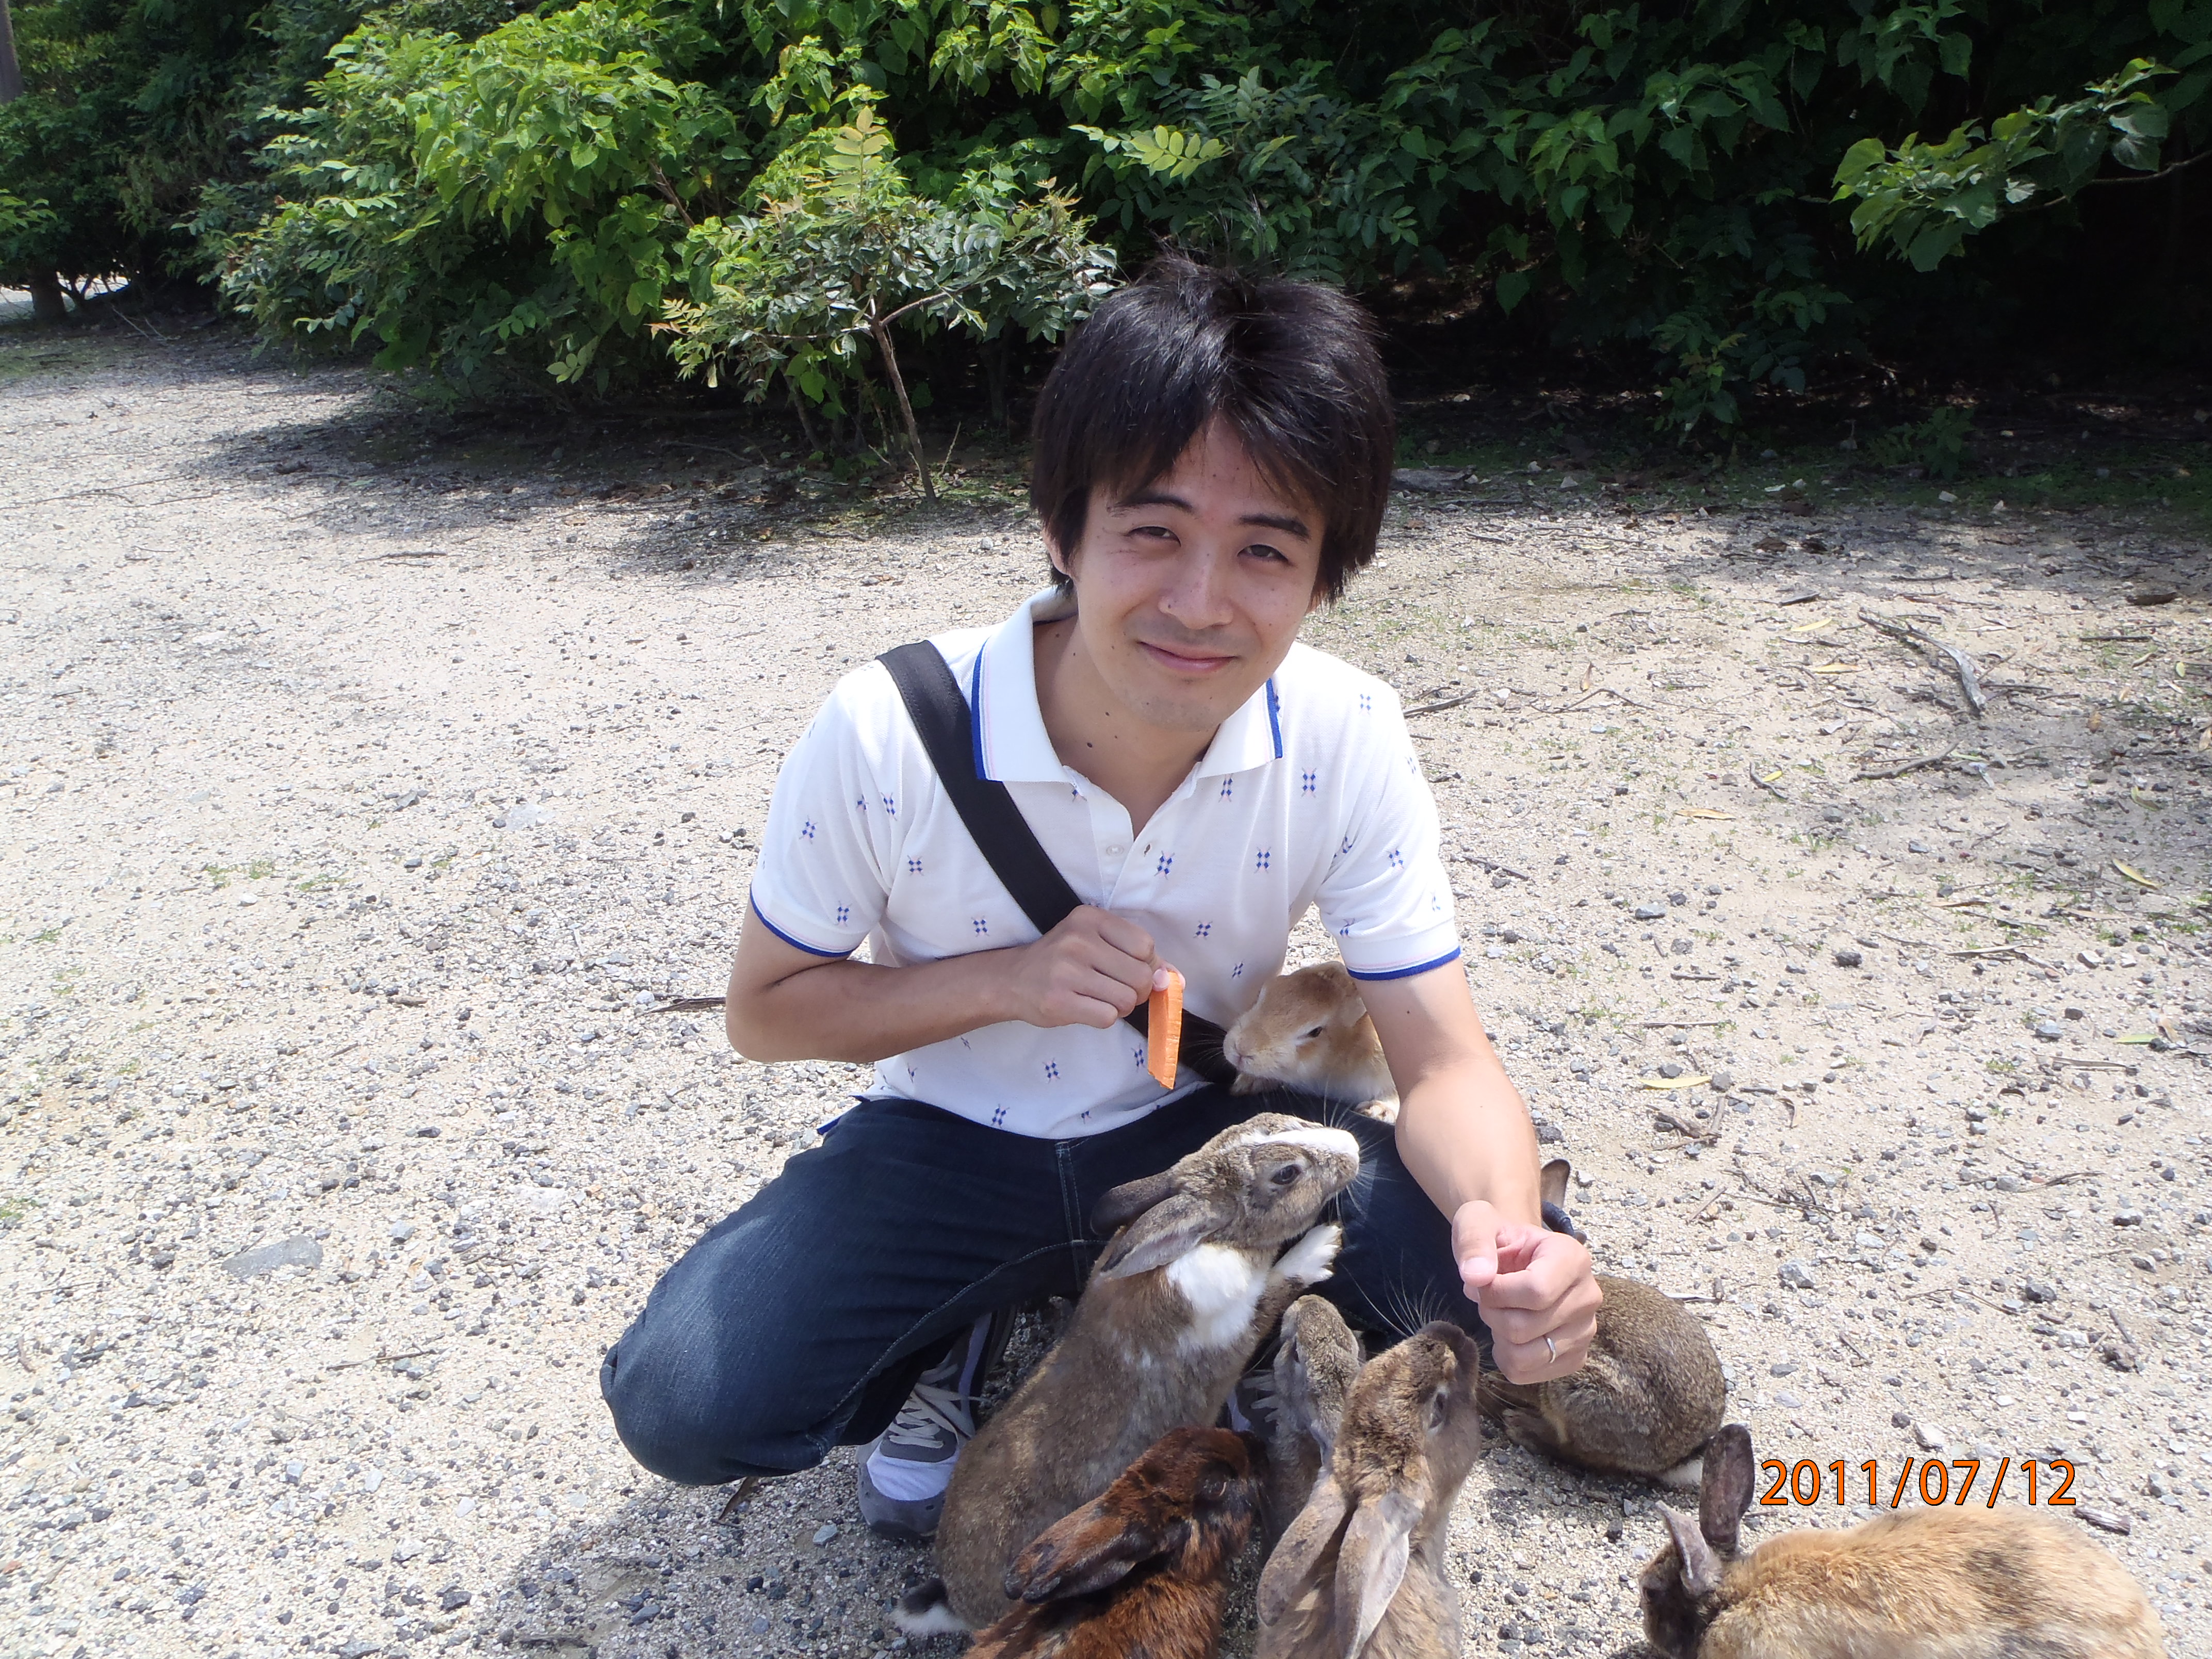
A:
x: 1184, y: 660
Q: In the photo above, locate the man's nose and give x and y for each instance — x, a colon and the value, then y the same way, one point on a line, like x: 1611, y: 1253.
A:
x: 1196, y: 595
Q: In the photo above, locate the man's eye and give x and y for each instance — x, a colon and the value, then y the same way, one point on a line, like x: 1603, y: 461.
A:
x: 1260, y: 549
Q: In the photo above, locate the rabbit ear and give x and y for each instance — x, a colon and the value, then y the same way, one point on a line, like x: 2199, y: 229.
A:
x: 1082, y: 1553
x: 1121, y: 1204
x: 1378, y: 1543
x: 1306, y: 1553
x: 1552, y: 1182
x: 1701, y: 1568
x: 1724, y: 1487
x: 1165, y: 1232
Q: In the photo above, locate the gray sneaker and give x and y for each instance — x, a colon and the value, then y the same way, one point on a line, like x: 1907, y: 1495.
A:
x: 905, y: 1469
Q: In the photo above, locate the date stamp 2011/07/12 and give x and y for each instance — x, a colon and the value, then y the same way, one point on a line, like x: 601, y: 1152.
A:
x: 2046, y: 1481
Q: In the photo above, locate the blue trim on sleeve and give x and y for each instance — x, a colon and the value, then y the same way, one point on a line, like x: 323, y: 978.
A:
x: 1274, y: 722
x: 799, y: 943
x: 1395, y: 973
x: 975, y: 712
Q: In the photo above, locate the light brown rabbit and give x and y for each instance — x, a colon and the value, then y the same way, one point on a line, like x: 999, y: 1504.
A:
x: 1310, y: 1031
x: 1646, y: 1400
x: 1192, y: 1283
x: 1361, y: 1573
x: 1931, y: 1583
x: 1315, y: 1366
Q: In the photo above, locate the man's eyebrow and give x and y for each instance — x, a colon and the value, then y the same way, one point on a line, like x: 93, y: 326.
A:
x: 1289, y: 525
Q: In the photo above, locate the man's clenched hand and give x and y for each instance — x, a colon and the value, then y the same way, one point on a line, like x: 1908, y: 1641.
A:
x: 1091, y: 970
x: 1530, y: 1283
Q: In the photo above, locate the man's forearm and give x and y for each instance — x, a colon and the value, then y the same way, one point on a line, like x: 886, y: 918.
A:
x: 1464, y: 1132
x: 856, y: 1010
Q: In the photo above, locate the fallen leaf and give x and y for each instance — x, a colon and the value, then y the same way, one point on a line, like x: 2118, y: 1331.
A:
x: 1779, y: 770
x: 1696, y: 1082
x: 1815, y: 627
x: 2165, y: 1025
x: 2142, y: 797
x: 2096, y: 720
x: 1835, y: 668
x: 2134, y: 875
x: 2204, y: 738
x: 1705, y: 813
x: 1586, y: 676
x: 2145, y: 1037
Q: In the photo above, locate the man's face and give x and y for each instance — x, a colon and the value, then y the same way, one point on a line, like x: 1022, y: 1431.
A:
x: 1189, y: 590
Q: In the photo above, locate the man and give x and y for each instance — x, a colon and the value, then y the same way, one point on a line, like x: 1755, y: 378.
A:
x: 1213, y: 457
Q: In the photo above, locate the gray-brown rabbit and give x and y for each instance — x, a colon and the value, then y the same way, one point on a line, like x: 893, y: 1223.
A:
x: 1316, y: 1365
x: 1361, y: 1572
x: 1930, y: 1583
x: 1646, y: 1400
x: 1175, y: 1309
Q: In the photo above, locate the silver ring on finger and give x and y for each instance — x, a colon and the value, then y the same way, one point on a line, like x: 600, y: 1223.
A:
x: 1552, y: 1350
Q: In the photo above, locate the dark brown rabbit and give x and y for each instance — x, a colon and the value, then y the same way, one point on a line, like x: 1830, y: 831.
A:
x: 1316, y: 1365
x: 1645, y: 1400
x: 1929, y: 1583
x: 1176, y: 1307
x: 1361, y: 1572
x: 1143, y: 1568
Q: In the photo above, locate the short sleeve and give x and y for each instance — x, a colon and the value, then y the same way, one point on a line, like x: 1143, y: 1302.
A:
x: 1386, y: 899
x: 834, y: 823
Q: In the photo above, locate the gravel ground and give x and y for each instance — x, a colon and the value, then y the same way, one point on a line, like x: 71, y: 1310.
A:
x: 375, y: 784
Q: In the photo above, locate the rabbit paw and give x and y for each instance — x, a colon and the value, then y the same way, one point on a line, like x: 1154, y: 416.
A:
x: 1246, y: 1084
x: 1307, y: 1261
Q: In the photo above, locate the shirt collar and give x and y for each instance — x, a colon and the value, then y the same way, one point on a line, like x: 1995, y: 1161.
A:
x: 1012, y: 746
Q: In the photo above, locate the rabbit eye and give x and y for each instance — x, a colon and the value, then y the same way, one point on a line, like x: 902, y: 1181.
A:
x: 1285, y: 1175
x: 1307, y: 1036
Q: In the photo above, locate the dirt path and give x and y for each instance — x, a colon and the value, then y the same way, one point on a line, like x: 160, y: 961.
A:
x: 368, y: 800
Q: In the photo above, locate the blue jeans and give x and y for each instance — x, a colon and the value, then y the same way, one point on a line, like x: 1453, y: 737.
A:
x: 800, y: 1322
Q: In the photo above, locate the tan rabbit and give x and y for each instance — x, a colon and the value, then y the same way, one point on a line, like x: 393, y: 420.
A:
x: 1928, y: 1584
x: 1190, y: 1285
x: 1646, y: 1400
x: 1361, y: 1572
x: 1315, y: 1366
x: 1310, y: 1031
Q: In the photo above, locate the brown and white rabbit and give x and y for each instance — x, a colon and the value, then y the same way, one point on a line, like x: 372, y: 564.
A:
x: 1142, y: 1568
x: 1930, y: 1583
x: 1647, y: 1398
x: 1310, y: 1031
x: 1190, y: 1285
x: 1361, y: 1573
x: 1315, y: 1363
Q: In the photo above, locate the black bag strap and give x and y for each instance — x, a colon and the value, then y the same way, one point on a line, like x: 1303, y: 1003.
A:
x: 942, y: 718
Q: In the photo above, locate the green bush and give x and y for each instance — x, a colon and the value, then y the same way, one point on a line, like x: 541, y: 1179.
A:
x: 1734, y: 190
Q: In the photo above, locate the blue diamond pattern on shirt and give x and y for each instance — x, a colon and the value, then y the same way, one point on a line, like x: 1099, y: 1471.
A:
x: 1262, y: 859
x: 1366, y: 703
x: 998, y: 1117
x: 806, y: 833
x: 914, y: 866
x: 1237, y: 972
x: 1346, y: 847
x: 844, y: 914
x: 1052, y: 1069
x: 1308, y: 781
x: 890, y: 804
x: 1397, y: 860
x: 1344, y: 932
x: 1166, y: 864
x: 861, y: 804
x: 1228, y: 787
x: 1138, y: 1054
x: 981, y: 925
x: 1203, y: 929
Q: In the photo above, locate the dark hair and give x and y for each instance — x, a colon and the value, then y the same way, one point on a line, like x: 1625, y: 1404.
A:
x: 1291, y: 367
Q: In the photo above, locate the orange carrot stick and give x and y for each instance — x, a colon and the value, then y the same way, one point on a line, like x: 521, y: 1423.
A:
x: 1164, y: 1031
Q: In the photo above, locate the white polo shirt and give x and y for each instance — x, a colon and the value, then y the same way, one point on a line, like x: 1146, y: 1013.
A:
x: 1309, y: 795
